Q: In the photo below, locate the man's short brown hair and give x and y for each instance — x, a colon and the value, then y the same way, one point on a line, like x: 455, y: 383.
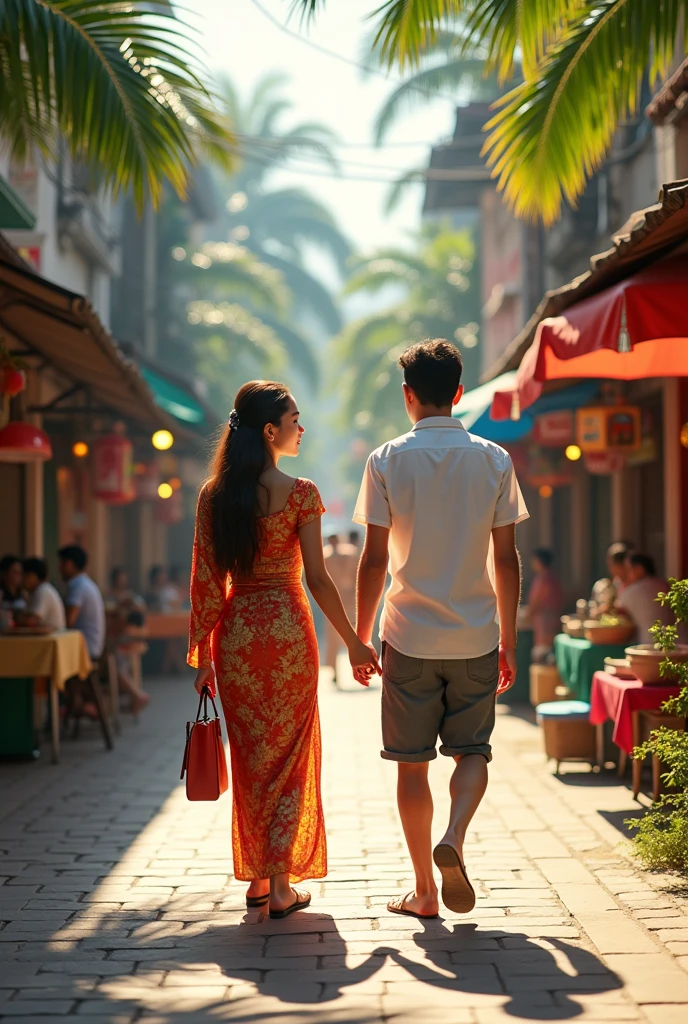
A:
x: 432, y: 369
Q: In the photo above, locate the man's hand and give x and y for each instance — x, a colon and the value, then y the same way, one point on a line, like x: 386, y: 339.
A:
x: 507, y: 669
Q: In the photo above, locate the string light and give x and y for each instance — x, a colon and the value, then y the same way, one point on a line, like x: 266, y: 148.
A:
x: 165, y: 490
x: 573, y: 453
x: 545, y: 491
x: 80, y: 449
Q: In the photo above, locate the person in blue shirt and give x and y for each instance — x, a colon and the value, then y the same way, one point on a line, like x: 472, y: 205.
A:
x: 84, y: 602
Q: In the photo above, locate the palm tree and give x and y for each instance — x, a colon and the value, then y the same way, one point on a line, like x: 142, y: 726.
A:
x: 436, y: 295
x: 117, y: 81
x: 583, y: 64
x: 280, y: 225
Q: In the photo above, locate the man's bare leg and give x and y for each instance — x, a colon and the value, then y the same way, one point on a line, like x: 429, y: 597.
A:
x: 466, y: 788
x: 415, y: 809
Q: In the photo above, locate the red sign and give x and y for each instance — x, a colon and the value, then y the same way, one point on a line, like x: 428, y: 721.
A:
x: 113, y: 469
x: 603, y: 463
x: 554, y: 429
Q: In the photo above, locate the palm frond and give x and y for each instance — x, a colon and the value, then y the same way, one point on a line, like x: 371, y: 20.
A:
x: 225, y: 271
x: 397, y: 190
x: 407, y: 27
x: 308, y: 292
x: 298, y: 349
x: 117, y: 81
x: 552, y: 133
x: 456, y: 74
x: 507, y: 28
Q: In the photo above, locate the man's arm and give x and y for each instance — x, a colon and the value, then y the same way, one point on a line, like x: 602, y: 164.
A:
x: 72, y: 614
x: 370, y: 584
x: 508, y: 586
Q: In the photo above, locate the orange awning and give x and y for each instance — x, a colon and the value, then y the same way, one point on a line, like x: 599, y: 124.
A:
x: 635, y: 329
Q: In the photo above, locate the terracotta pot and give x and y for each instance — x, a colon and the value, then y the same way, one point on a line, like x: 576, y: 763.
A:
x: 574, y: 627
x: 644, y: 661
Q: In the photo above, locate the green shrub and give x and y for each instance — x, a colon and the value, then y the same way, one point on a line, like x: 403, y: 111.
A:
x: 661, y: 841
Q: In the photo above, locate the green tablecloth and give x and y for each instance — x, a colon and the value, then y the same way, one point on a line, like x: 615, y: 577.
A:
x: 578, y: 660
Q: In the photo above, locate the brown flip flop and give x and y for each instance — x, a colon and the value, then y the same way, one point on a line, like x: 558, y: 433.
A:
x: 298, y: 904
x: 457, y: 892
x: 398, y: 906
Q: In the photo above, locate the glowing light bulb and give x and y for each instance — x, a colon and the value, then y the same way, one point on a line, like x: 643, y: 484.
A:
x: 573, y: 453
x: 165, y: 490
x: 545, y: 491
x: 162, y: 440
x: 80, y: 449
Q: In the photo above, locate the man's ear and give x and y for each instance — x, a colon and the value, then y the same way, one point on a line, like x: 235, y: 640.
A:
x: 459, y: 395
x: 408, y: 393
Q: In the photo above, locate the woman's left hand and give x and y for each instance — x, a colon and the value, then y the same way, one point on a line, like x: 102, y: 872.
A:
x: 205, y: 677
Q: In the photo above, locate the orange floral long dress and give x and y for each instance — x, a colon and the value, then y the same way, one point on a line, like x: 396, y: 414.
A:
x: 259, y: 634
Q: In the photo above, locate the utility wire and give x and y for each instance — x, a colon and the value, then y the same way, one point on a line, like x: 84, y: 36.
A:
x: 348, y: 60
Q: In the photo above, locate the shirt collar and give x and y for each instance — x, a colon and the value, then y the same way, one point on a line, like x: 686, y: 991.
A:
x: 438, y: 421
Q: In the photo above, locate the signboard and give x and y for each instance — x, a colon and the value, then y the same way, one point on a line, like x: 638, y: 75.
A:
x: 554, y: 429
x: 604, y: 463
x: 612, y: 428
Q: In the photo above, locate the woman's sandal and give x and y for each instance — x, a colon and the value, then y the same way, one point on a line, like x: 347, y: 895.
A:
x: 457, y: 892
x: 257, y: 901
x: 398, y: 906
x: 298, y: 904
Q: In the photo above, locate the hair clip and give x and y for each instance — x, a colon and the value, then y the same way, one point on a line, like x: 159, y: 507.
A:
x: 233, y: 420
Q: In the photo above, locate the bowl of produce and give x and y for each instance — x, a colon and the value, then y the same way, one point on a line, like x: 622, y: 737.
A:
x: 644, y: 661
x: 573, y: 626
x: 609, y: 629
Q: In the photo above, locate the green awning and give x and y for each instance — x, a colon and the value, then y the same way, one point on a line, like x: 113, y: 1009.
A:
x: 14, y: 213
x: 172, y: 398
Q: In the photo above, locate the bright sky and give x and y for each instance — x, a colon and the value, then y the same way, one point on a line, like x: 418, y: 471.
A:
x: 240, y: 40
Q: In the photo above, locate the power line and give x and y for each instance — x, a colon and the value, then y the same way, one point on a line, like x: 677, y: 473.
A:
x: 431, y: 174
x: 347, y: 144
x: 348, y: 60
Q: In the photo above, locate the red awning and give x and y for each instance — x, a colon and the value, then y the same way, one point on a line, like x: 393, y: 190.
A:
x: 637, y: 328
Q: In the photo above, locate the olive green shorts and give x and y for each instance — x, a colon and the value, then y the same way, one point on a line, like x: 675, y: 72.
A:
x: 426, y: 698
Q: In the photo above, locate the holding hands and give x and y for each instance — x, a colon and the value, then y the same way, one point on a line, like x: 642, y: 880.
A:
x: 364, y: 661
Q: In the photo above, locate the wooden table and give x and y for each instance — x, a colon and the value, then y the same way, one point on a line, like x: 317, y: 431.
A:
x: 56, y: 656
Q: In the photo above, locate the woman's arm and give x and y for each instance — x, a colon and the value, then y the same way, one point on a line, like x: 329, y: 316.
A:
x: 208, y: 590
x: 362, y: 656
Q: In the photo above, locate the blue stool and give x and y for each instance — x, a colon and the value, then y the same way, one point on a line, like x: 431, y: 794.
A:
x: 567, y: 731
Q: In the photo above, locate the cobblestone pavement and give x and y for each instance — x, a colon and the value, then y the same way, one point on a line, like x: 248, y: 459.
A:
x: 118, y: 903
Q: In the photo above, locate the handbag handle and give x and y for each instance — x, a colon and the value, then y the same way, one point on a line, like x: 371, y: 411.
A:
x: 203, y: 700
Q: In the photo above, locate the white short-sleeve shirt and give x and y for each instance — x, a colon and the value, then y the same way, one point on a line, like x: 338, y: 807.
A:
x: 440, y: 491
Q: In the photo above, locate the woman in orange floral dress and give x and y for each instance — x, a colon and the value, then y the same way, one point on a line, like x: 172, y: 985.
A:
x: 251, y: 625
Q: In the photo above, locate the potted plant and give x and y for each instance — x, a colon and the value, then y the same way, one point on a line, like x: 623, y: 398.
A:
x: 661, y: 840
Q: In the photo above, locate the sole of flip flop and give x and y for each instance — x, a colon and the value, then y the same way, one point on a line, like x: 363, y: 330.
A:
x: 457, y: 891
x: 277, y: 915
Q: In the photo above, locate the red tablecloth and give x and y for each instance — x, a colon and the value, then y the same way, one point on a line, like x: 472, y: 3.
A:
x: 617, y: 699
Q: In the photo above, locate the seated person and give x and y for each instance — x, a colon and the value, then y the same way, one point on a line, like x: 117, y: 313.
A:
x: 45, y: 604
x: 12, y: 597
x: 129, y: 643
x: 639, y: 598
x: 85, y: 607
x: 120, y: 597
x: 606, y: 591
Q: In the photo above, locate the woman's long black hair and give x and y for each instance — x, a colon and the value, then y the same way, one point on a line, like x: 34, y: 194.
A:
x: 238, y: 462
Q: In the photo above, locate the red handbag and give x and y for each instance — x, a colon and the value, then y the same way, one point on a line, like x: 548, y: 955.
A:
x: 204, y: 754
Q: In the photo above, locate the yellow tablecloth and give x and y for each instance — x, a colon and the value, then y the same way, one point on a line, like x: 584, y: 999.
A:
x: 58, y: 656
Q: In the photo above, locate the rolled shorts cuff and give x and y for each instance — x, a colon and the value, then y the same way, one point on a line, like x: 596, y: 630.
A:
x: 479, y: 748
x: 419, y: 758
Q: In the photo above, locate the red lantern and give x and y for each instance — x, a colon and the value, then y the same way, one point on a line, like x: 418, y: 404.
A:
x: 12, y: 380
x: 113, y: 479
x: 22, y: 442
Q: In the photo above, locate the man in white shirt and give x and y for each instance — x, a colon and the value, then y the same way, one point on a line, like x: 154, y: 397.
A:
x: 45, y: 604
x: 440, y: 505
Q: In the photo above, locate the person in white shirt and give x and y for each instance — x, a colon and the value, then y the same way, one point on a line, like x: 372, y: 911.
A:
x: 440, y: 505
x: 45, y: 604
x: 638, y: 598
